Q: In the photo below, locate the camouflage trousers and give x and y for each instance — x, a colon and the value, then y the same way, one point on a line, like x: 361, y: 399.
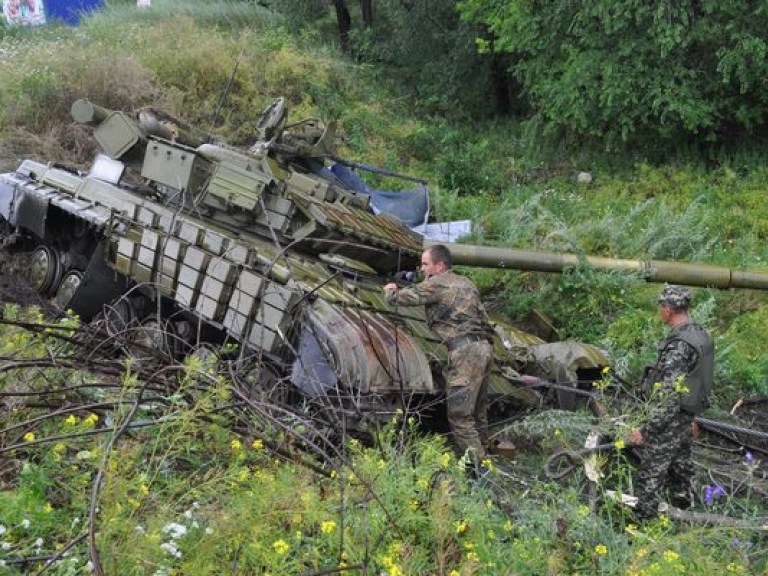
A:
x: 467, y: 375
x: 665, y: 462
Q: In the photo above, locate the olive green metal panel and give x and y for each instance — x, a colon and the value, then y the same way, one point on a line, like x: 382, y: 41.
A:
x: 61, y: 179
x: 117, y: 134
x: 311, y: 187
x: 175, y: 166
x: 237, y: 187
x: 278, y: 213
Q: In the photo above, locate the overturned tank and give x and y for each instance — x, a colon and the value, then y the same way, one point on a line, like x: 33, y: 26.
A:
x: 176, y: 244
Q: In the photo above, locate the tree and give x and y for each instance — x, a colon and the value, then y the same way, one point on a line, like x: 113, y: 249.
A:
x: 432, y: 52
x: 619, y: 70
x: 345, y: 23
x: 367, y: 10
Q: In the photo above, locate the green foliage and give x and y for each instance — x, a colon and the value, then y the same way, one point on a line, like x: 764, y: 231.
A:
x: 434, y: 55
x: 631, y: 70
x: 743, y: 357
x: 429, y: 53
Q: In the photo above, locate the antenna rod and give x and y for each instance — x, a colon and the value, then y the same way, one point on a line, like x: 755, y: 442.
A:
x: 224, y: 95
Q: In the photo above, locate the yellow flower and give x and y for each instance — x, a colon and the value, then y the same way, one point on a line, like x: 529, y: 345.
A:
x: 462, y: 527
x: 445, y: 460
x: 144, y: 489
x: 601, y: 549
x: 619, y: 444
x: 671, y: 555
x: 257, y: 444
x: 91, y: 420
x: 48, y: 508
x: 680, y: 386
x: 558, y: 432
x: 29, y: 437
x: 473, y: 557
x: 454, y: 573
x: 334, y: 474
x: 281, y: 547
x: 71, y: 420
x: 243, y: 475
x: 605, y: 370
x: 236, y: 445
x: 328, y: 527
x: 487, y: 463
x: 507, y: 526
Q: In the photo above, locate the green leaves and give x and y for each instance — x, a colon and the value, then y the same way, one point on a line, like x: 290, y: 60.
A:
x: 620, y: 71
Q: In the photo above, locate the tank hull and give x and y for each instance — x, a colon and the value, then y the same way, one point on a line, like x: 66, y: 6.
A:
x: 176, y: 244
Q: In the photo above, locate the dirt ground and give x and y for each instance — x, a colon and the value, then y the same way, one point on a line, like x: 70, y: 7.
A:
x: 14, y: 284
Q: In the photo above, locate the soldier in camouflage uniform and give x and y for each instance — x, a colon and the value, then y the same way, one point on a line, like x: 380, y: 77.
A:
x: 678, y: 387
x: 454, y: 311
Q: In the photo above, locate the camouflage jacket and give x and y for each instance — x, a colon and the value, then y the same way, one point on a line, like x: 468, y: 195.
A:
x: 675, y: 360
x: 452, y: 304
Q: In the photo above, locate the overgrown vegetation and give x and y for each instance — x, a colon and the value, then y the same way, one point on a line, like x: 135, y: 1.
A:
x: 181, y: 470
x: 204, y: 488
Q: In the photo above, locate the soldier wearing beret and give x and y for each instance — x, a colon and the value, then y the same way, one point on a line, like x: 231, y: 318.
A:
x: 678, y: 386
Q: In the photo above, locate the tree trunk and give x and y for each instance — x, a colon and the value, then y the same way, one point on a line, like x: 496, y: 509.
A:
x: 367, y: 7
x: 345, y: 24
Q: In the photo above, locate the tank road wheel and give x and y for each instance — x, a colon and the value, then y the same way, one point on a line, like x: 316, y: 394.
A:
x: 67, y: 288
x: 119, y: 317
x: 45, y: 269
x: 152, y: 338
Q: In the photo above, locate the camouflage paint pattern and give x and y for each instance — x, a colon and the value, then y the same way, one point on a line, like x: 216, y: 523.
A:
x: 454, y: 310
x: 665, y: 457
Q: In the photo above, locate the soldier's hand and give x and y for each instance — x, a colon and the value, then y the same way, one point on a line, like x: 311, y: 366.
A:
x: 695, y: 430
x: 636, y: 438
x: 528, y: 380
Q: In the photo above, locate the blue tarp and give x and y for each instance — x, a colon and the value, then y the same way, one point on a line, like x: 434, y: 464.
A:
x: 410, y: 206
x: 69, y: 11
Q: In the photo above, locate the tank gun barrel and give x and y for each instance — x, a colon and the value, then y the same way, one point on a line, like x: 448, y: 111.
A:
x: 652, y: 270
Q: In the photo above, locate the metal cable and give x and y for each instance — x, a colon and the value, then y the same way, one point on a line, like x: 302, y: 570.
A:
x: 725, y: 427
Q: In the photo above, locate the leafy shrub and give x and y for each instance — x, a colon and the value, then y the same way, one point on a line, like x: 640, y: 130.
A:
x: 744, y: 353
